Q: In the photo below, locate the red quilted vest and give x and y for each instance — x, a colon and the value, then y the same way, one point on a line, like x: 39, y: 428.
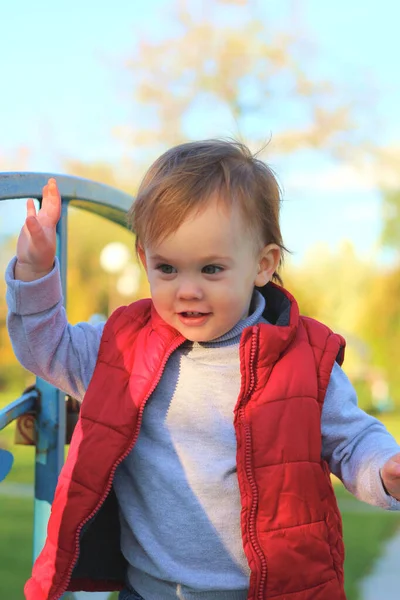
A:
x: 291, y: 526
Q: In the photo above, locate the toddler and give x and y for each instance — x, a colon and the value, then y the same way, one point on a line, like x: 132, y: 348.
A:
x: 212, y: 414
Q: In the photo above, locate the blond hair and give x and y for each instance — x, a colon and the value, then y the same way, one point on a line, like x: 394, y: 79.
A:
x: 182, y: 180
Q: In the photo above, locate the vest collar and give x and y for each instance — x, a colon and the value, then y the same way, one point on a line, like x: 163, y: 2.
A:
x: 282, y: 314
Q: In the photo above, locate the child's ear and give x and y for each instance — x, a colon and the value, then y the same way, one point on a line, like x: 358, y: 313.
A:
x: 268, y: 262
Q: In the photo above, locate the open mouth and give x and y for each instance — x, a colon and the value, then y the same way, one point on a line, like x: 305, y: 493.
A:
x: 194, y: 318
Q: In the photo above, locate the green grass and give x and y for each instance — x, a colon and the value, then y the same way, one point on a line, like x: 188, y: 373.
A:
x: 365, y: 530
x: 16, y: 520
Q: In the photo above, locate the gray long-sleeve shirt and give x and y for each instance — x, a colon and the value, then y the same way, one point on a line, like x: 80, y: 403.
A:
x: 194, y: 547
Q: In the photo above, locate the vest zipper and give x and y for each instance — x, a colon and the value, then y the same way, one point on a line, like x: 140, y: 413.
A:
x: 63, y: 586
x: 249, y: 469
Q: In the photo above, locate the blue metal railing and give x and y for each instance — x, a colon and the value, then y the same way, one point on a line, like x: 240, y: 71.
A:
x: 26, y: 403
x: 47, y: 402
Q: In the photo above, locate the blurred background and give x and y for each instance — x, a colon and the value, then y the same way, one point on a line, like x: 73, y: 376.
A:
x: 99, y: 91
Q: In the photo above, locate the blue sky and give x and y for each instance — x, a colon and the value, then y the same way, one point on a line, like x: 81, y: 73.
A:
x: 64, y: 90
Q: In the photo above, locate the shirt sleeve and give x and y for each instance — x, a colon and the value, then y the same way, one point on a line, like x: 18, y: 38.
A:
x: 43, y: 341
x: 355, y: 444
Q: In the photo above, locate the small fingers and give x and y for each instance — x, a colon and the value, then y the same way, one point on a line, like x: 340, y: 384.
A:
x: 51, y: 203
x: 40, y: 248
x: 30, y: 208
x: 50, y: 189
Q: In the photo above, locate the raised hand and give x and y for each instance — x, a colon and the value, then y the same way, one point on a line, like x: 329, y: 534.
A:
x: 390, y: 474
x: 36, y: 247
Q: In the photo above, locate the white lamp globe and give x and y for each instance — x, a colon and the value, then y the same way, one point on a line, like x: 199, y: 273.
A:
x: 114, y: 257
x: 129, y: 282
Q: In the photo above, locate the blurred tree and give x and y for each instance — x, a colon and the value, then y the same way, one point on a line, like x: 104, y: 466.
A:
x: 380, y: 322
x: 329, y: 286
x: 335, y: 288
x: 387, y: 173
x: 381, y: 315
x: 221, y: 61
x: 391, y: 220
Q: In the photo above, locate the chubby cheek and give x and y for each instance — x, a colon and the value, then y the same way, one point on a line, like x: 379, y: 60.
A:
x: 231, y: 298
x: 162, y: 293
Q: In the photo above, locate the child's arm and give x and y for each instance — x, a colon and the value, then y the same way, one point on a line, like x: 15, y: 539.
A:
x: 355, y: 444
x: 42, y: 339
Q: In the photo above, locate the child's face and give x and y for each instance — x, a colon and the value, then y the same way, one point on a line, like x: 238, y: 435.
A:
x: 202, y: 276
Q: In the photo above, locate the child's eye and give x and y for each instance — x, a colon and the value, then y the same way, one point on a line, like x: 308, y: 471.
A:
x: 212, y: 269
x: 166, y: 269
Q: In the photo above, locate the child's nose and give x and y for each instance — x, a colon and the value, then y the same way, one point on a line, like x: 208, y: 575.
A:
x: 189, y: 290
